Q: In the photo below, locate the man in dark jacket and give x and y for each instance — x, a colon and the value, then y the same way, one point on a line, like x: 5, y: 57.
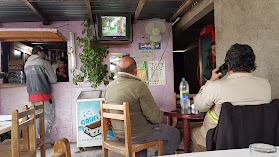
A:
x: 39, y: 76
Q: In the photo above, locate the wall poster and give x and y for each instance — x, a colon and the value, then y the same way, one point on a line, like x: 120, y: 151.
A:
x: 156, y: 73
x: 143, y: 71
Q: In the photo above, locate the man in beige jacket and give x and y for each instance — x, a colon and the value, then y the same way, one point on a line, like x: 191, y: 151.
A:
x: 240, y: 87
x: 146, y: 117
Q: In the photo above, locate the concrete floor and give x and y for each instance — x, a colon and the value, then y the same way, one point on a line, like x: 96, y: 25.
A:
x: 92, y: 152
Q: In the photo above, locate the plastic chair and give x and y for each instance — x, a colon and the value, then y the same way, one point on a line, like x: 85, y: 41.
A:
x: 115, y: 145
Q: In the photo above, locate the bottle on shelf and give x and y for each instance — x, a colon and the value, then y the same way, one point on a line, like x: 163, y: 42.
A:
x: 184, y: 97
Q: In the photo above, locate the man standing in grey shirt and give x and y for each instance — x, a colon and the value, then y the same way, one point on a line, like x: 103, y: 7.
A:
x: 39, y: 76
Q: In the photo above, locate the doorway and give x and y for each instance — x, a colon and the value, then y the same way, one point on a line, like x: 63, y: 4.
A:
x: 186, y: 53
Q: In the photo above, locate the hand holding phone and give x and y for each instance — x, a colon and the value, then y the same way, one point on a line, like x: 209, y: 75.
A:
x: 215, y: 75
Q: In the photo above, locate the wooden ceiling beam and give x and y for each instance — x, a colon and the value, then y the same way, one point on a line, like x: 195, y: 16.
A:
x: 197, y: 12
x: 89, y: 11
x: 35, y: 9
x: 30, y: 34
x: 138, y: 10
x: 180, y: 10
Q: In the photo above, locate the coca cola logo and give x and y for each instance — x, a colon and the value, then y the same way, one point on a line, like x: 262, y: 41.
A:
x: 203, y: 31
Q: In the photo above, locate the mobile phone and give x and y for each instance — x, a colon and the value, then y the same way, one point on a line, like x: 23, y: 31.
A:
x: 223, y: 67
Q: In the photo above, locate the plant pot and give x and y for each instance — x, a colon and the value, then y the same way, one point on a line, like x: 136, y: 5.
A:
x: 1, y: 80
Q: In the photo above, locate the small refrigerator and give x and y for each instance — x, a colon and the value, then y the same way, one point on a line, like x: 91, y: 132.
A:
x: 89, y: 119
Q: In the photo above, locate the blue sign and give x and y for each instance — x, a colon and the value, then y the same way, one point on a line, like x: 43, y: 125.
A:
x: 147, y: 46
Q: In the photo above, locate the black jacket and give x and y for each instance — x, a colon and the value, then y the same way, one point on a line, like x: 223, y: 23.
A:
x: 240, y: 126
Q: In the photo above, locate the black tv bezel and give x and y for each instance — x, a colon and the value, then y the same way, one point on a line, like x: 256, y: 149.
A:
x: 114, y: 38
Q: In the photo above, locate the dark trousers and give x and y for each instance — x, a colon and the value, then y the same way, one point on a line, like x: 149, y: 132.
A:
x: 168, y: 134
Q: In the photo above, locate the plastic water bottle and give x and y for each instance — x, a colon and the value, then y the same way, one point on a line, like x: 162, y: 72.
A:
x: 184, y: 96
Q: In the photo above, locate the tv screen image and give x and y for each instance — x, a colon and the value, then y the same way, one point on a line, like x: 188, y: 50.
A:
x: 113, y: 26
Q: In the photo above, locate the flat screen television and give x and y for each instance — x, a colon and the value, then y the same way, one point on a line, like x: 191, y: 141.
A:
x: 114, y: 27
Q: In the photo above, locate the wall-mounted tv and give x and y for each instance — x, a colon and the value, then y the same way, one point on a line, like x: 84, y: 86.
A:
x: 114, y: 26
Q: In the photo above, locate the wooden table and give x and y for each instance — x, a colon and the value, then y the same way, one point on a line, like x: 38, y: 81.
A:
x: 186, y: 123
x: 5, y: 123
x: 5, y: 127
x: 245, y: 152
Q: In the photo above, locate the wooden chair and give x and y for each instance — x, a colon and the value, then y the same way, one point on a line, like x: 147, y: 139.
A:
x: 62, y: 148
x: 40, y: 142
x: 126, y: 148
x: 176, y: 104
x: 29, y: 147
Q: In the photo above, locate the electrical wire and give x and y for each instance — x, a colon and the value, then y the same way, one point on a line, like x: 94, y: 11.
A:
x: 162, y: 55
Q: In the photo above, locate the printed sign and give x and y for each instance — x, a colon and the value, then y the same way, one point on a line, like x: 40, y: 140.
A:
x: 147, y: 46
x: 146, y: 55
x: 88, y: 113
x: 156, y: 73
x: 143, y: 71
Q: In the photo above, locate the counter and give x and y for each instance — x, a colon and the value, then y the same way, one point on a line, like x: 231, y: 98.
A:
x: 11, y: 85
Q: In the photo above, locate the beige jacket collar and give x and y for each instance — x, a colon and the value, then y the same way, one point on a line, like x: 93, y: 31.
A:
x: 237, y: 75
x: 129, y: 75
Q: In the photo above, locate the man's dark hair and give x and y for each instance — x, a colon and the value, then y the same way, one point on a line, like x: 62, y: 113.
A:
x: 37, y: 49
x: 65, y: 61
x: 130, y: 69
x: 241, y: 58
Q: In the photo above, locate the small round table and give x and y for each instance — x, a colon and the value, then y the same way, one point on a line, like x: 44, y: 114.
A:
x: 186, y: 123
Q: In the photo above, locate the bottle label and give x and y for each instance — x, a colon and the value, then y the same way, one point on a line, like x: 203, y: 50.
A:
x: 184, y: 94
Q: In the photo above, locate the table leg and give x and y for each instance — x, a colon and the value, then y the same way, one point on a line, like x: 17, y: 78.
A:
x: 186, y: 134
x: 168, y: 120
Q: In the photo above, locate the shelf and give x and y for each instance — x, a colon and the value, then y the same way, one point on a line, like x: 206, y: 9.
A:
x: 115, y: 42
x: 10, y: 85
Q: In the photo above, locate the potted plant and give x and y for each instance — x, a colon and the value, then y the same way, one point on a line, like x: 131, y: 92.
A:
x: 2, y: 76
x: 91, y: 58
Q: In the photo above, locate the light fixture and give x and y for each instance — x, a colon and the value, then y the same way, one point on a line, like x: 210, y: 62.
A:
x: 176, y: 20
x: 179, y: 51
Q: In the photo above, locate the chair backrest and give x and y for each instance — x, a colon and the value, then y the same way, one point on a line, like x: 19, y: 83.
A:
x: 62, y: 148
x: 28, y: 121
x: 176, y: 99
x: 240, y: 126
x: 124, y: 116
x: 39, y: 114
x: 39, y: 110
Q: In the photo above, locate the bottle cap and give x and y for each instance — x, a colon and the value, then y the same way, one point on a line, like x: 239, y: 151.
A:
x: 183, y: 79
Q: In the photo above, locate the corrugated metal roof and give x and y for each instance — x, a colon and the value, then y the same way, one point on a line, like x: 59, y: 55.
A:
x: 16, y: 12
x: 76, y: 10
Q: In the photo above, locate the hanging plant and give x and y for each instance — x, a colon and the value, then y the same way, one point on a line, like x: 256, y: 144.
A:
x: 91, y: 58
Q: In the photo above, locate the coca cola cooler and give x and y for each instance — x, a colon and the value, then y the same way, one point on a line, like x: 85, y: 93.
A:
x: 206, y: 59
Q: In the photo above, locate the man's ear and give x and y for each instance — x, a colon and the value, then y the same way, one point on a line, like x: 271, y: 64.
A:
x: 229, y: 67
x: 135, y: 71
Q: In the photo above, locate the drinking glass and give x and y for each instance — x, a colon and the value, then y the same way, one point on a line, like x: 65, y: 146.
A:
x: 262, y: 150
